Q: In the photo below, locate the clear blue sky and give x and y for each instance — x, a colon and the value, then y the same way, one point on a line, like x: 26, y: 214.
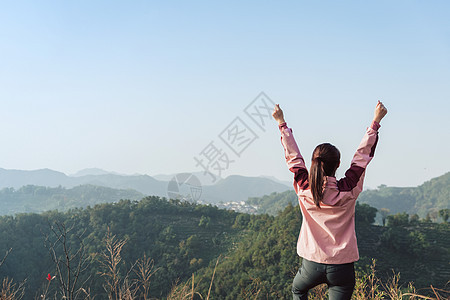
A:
x: 143, y: 87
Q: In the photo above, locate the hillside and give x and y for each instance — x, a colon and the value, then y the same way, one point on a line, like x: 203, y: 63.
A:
x: 184, y: 238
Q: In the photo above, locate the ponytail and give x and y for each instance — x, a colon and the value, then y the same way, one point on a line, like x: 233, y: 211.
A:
x: 325, y: 161
x: 316, y: 175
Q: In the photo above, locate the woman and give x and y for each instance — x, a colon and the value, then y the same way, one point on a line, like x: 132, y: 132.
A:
x: 327, y: 240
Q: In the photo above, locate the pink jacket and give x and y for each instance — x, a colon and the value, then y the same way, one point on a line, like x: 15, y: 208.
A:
x: 327, y: 234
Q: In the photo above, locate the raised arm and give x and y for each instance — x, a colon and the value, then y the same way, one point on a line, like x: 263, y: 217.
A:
x: 294, y: 159
x: 354, y: 176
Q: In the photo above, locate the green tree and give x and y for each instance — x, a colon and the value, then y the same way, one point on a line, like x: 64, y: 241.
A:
x: 204, y: 221
x: 384, y: 213
x: 444, y: 214
x: 365, y: 213
x: 400, y: 219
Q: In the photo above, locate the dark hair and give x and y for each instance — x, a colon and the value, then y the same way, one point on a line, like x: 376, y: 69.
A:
x: 325, y: 161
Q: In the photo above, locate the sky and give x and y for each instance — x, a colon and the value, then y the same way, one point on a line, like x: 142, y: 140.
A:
x: 148, y: 87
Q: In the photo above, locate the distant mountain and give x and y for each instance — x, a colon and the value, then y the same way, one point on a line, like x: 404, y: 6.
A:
x: 43, y: 177
x: 263, y: 191
x: 234, y: 188
x: 205, y: 178
x: 92, y: 171
x: 163, y: 177
x: 285, y: 182
x: 142, y: 183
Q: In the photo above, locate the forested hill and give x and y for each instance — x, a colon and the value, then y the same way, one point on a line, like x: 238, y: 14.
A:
x: 37, y: 199
x: 179, y: 236
x: 428, y: 198
x: 256, y: 251
x: 264, y: 260
x: 274, y: 203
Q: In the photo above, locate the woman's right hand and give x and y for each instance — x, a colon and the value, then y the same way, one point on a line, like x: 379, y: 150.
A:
x: 277, y: 114
x: 380, y: 112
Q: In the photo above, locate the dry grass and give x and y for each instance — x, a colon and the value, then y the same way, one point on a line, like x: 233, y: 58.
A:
x: 11, y: 290
x: 145, y: 268
x: 184, y: 291
x: 369, y: 287
x: 318, y: 293
x: 110, y: 261
x: 117, y: 286
x: 121, y: 287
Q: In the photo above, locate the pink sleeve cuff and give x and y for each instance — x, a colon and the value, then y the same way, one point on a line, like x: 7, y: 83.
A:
x: 282, y: 126
x: 375, y: 125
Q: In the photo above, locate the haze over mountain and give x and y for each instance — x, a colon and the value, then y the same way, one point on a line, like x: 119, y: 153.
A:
x: 49, y: 178
x: 93, y: 171
x: 231, y: 189
x: 206, y: 179
x: 268, y: 193
x: 239, y: 188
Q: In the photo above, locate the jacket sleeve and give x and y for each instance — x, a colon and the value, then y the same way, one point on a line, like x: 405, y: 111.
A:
x: 354, y: 176
x: 294, y: 159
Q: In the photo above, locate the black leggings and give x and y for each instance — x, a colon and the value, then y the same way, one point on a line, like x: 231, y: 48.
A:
x: 339, y: 278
